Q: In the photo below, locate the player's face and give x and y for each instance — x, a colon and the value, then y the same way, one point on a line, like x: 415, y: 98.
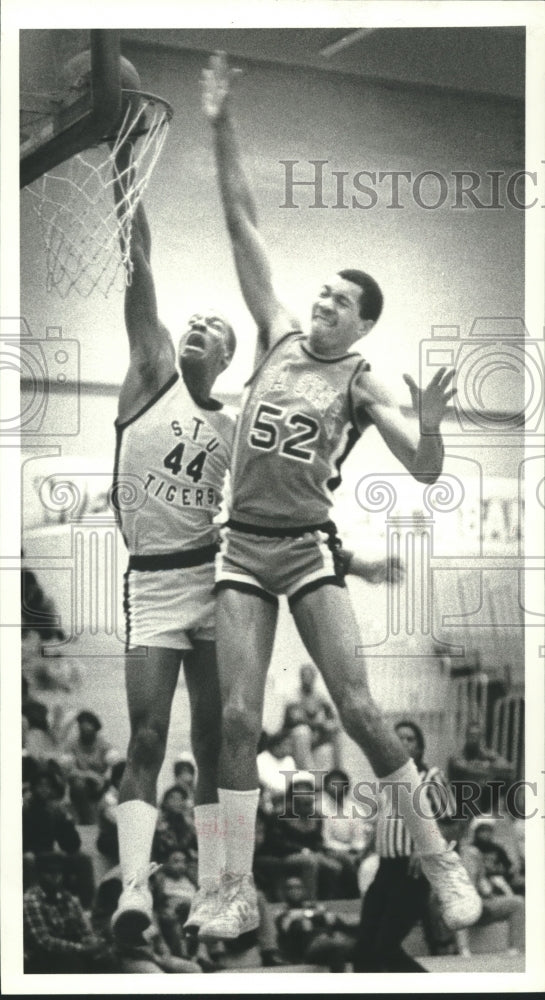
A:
x: 335, y: 321
x: 205, y: 342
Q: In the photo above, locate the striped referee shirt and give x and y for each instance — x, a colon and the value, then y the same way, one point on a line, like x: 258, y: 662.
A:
x: 392, y: 837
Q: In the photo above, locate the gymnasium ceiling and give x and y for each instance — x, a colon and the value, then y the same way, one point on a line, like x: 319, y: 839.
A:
x: 475, y: 60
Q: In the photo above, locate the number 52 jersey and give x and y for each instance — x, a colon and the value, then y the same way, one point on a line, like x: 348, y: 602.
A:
x: 296, y: 427
x: 169, y: 474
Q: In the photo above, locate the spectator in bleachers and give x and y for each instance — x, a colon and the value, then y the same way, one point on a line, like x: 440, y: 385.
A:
x: 275, y: 763
x: 31, y: 654
x: 173, y: 892
x: 398, y: 897
x: 57, y: 672
x: 47, y: 728
x: 30, y: 707
x: 309, y: 933
x: 345, y: 833
x: 38, y: 613
x: 509, y: 834
x: 312, y: 725
x: 58, y: 937
x: 87, y: 759
x: 176, y: 829
x: 41, y: 634
x: 185, y: 775
x: 292, y: 843
x: 488, y: 868
x: 46, y: 826
x: 498, y: 867
x: 478, y: 763
x: 107, y: 840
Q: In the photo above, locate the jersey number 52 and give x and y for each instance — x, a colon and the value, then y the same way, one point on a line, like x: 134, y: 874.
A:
x: 265, y: 432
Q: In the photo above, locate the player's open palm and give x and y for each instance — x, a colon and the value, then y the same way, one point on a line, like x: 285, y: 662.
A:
x: 431, y: 402
x: 216, y: 83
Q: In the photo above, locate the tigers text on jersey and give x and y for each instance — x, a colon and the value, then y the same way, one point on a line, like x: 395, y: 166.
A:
x: 296, y: 427
x: 170, y: 466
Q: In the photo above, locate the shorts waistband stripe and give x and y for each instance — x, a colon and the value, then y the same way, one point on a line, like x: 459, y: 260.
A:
x: 328, y: 527
x: 175, y: 560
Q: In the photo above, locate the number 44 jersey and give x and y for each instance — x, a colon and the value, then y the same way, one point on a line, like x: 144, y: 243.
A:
x: 170, y: 468
x: 296, y: 427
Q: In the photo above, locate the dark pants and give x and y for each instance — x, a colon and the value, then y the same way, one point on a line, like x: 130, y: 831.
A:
x: 393, y: 904
x: 63, y: 964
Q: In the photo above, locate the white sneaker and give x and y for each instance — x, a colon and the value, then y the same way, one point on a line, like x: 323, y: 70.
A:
x: 135, y: 907
x: 237, y: 911
x: 204, y: 906
x: 459, y: 900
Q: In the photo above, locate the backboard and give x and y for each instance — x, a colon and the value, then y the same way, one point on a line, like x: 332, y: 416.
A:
x: 56, y: 121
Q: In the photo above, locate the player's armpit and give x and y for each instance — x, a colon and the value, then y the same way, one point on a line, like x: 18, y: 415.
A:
x: 143, y: 381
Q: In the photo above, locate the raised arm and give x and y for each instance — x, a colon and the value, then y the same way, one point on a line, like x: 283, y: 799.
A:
x: 152, y: 357
x: 251, y: 259
x: 421, y: 454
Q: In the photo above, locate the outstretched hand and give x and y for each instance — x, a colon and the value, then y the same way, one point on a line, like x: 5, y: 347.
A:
x: 430, y: 403
x: 216, y: 83
x: 389, y: 570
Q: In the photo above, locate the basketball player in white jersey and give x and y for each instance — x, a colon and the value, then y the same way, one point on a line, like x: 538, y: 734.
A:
x: 173, y: 449
x: 306, y: 404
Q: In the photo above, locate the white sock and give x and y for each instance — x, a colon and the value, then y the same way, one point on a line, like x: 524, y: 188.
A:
x: 136, y: 822
x: 415, y: 810
x: 211, y: 843
x: 238, y: 813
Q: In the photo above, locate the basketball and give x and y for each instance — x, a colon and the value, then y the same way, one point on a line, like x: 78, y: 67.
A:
x: 76, y: 80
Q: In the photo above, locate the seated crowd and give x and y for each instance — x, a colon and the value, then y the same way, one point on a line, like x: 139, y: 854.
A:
x: 312, y: 848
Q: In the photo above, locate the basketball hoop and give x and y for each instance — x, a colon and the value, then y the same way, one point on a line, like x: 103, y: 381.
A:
x: 87, y: 238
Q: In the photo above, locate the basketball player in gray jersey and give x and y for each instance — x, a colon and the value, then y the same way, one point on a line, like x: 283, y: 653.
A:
x: 308, y: 400
x: 173, y: 449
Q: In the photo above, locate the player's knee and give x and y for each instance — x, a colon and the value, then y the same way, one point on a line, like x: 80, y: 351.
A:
x: 240, y: 725
x: 148, y: 744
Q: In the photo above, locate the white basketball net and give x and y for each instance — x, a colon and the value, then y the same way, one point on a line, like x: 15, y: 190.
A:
x: 80, y: 225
